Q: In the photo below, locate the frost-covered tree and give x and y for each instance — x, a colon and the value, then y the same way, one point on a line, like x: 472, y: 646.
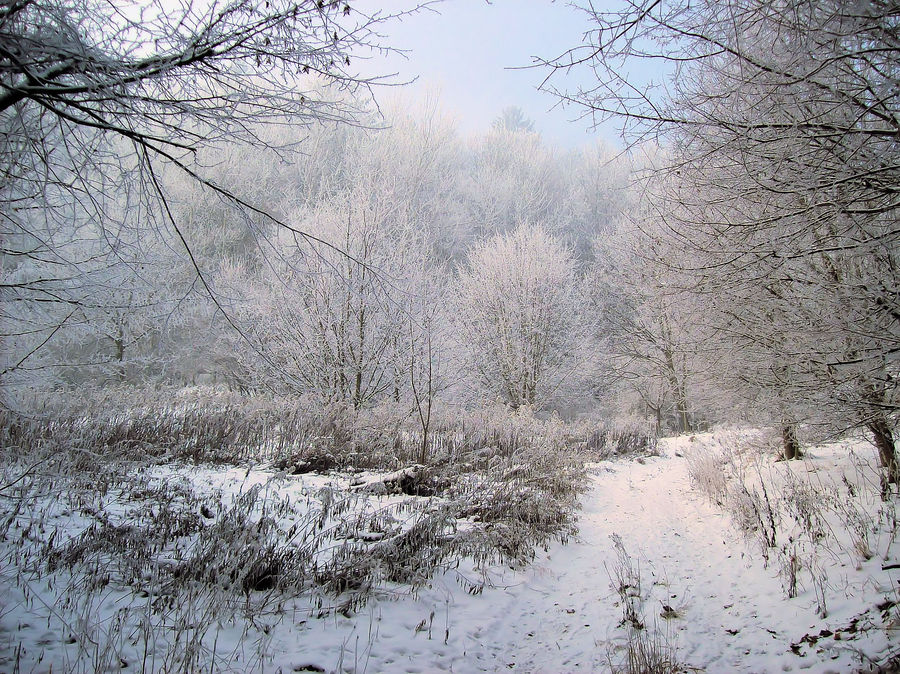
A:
x: 512, y: 177
x: 330, y: 321
x: 598, y: 194
x: 97, y: 99
x: 351, y: 317
x: 520, y: 316
x: 651, y: 334
x: 780, y: 191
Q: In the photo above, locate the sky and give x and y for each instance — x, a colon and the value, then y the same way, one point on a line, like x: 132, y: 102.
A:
x: 471, y: 53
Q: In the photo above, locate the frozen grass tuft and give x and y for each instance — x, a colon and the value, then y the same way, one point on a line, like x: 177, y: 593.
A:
x: 647, y: 649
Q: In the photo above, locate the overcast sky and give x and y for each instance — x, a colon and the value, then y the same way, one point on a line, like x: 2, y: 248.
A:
x: 465, y: 49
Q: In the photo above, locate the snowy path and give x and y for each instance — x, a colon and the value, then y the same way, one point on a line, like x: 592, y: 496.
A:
x: 561, y: 613
x: 564, y: 616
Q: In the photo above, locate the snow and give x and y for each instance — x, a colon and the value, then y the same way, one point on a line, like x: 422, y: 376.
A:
x: 725, y: 606
x: 561, y: 614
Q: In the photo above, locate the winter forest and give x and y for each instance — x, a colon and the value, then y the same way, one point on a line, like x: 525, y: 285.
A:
x: 297, y: 376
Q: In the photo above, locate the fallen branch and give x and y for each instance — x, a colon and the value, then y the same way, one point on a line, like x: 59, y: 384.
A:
x: 410, y: 480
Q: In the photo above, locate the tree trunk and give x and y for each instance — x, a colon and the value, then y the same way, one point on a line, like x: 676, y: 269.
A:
x: 679, y: 394
x: 357, y: 388
x: 656, y: 410
x: 681, y: 407
x: 884, y: 442
x: 120, y: 357
x: 790, y: 444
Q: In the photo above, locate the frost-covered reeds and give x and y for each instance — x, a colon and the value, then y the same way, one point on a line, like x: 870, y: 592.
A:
x: 147, y: 532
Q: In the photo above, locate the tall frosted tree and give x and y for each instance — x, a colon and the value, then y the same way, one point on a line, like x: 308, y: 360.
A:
x: 520, y: 316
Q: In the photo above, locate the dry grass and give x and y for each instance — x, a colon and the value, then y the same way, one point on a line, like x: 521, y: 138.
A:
x: 801, y: 517
x: 87, y: 521
x: 647, y: 649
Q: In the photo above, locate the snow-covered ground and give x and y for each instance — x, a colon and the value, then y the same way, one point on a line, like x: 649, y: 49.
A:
x: 651, y: 546
x: 562, y: 613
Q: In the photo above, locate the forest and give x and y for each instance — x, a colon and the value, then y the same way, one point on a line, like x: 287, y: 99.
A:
x: 277, y: 343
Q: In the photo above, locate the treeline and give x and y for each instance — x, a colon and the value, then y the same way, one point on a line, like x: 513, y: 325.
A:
x: 397, y: 263
x: 401, y: 262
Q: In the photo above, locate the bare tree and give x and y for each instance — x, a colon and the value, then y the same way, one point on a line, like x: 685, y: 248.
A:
x: 349, y: 319
x: 329, y: 321
x: 97, y: 99
x: 780, y: 189
x: 653, y: 333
